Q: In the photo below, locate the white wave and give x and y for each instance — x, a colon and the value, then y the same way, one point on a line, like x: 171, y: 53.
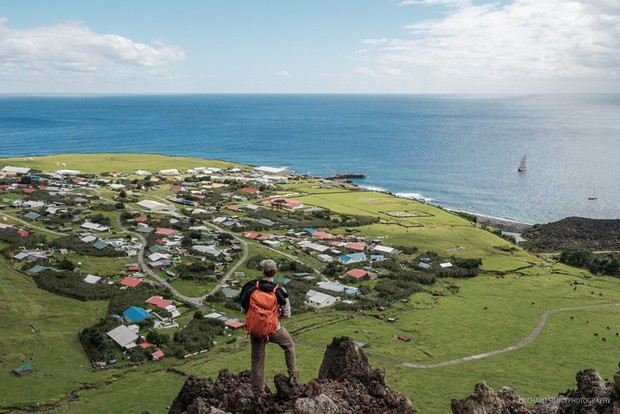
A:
x: 414, y: 196
x: 373, y: 188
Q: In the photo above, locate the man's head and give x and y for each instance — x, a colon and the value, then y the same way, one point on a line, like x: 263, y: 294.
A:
x: 269, y: 268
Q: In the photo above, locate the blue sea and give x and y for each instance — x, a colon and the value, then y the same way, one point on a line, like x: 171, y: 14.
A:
x: 459, y: 152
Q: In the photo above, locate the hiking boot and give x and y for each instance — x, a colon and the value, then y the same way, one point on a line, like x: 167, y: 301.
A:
x: 293, y: 379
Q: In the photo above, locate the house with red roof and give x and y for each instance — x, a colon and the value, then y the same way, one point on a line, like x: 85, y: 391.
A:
x: 157, y: 355
x: 249, y: 190
x: 141, y: 219
x: 159, y: 301
x: 234, y: 207
x: 359, y: 246
x: 165, y: 232
x: 176, y: 187
x: 235, y: 324
x: 29, y: 190
x: 145, y: 345
x: 322, y: 235
x: 360, y: 274
x: 23, y: 233
x: 133, y: 268
x: 250, y: 235
x: 131, y: 282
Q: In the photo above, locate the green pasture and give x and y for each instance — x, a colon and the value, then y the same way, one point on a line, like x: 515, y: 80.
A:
x: 54, y: 351
x: 98, y: 163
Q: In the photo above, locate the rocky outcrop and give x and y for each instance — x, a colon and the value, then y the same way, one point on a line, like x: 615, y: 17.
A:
x: 592, y: 396
x: 346, y: 383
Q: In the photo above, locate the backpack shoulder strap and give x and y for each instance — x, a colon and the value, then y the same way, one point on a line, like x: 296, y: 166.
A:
x: 275, y: 288
x: 257, y: 282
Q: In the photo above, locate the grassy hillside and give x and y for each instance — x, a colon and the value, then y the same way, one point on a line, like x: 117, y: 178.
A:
x: 97, y: 163
x: 454, y: 318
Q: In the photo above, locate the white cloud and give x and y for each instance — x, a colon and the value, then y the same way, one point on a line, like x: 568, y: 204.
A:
x: 457, y: 3
x: 381, y: 72
x: 283, y: 73
x: 72, y: 49
x: 523, y: 39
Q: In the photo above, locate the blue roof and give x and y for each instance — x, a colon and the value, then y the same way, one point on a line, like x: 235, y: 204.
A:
x: 352, y: 256
x: 136, y: 314
x: 376, y: 256
x: 351, y: 290
x: 309, y: 230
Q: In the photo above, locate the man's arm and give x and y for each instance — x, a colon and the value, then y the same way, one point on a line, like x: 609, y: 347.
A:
x: 284, y: 303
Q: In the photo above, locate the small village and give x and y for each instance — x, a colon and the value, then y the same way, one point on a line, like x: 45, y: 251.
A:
x: 170, y: 250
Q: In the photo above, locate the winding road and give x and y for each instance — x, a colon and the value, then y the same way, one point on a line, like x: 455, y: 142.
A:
x: 520, y: 344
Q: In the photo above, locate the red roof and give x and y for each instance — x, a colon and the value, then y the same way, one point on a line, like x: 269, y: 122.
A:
x: 176, y: 187
x: 21, y: 185
x: 133, y: 268
x: 23, y: 233
x: 249, y: 190
x: 157, y: 355
x: 159, y: 302
x: 356, y: 246
x: 263, y: 237
x: 4, y: 187
x: 131, y: 282
x: 234, y: 207
x: 145, y: 345
x: 403, y: 338
x: 42, y: 187
x: 161, y: 242
x: 235, y: 324
x: 250, y: 235
x: 198, y: 196
x: 322, y: 235
x: 29, y: 190
x: 76, y: 180
x: 164, y: 231
x: 141, y: 219
x: 357, y: 273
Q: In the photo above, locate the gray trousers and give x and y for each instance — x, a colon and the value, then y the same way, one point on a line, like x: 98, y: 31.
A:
x: 280, y: 337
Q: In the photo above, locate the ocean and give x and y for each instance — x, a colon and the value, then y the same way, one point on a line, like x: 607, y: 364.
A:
x: 460, y: 152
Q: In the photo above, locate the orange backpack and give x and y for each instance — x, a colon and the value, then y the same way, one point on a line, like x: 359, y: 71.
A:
x: 261, y: 320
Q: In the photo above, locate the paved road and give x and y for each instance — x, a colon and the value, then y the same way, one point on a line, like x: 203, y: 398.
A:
x: 29, y: 224
x: 520, y: 344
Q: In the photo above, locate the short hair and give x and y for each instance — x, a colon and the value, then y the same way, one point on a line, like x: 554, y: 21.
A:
x: 269, y: 267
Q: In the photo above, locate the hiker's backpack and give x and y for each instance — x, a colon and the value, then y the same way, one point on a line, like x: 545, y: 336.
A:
x: 261, y: 320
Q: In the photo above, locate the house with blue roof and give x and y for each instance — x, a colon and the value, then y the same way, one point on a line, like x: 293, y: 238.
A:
x: 309, y: 230
x: 347, y: 259
x: 136, y: 314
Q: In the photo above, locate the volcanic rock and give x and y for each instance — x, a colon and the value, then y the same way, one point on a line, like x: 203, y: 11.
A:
x: 347, y: 383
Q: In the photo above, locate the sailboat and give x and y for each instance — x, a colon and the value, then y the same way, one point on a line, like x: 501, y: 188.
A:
x: 523, y: 164
x: 593, y: 196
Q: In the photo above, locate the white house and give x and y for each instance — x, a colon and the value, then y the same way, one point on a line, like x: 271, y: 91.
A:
x: 152, y: 205
x: 143, y: 172
x: 210, y: 250
x: 123, y: 336
x: 67, y: 172
x: 16, y: 170
x: 273, y: 171
x: 325, y: 258
x: 384, y: 249
x: 172, y: 171
x: 319, y: 300
x: 94, y: 227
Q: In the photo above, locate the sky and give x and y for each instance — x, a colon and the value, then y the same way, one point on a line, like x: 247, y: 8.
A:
x: 309, y: 46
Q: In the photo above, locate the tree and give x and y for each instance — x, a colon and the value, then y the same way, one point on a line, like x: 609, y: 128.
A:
x: 576, y: 257
x: 66, y: 264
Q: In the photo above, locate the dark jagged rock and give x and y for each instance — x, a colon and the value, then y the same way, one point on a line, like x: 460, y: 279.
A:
x: 592, y: 396
x: 347, y: 383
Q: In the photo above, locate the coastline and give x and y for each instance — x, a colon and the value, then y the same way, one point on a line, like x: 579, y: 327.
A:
x: 497, y: 222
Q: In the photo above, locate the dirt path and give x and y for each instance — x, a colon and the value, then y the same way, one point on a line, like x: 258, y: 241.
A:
x: 539, y: 327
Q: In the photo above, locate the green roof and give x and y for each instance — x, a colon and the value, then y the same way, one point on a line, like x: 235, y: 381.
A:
x: 100, y: 245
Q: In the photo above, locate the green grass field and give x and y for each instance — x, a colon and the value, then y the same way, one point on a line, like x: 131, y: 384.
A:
x: 54, y: 351
x: 513, y: 287
x: 127, y: 163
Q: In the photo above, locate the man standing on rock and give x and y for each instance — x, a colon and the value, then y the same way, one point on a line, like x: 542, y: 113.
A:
x: 265, y: 303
